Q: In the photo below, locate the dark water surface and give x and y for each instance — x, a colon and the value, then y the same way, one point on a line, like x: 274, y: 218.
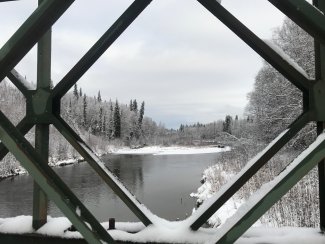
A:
x: 163, y: 183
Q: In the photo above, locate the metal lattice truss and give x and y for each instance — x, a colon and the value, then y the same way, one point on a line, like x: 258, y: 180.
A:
x: 43, y: 109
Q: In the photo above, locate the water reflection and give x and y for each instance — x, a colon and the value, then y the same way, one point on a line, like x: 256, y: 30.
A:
x: 163, y: 183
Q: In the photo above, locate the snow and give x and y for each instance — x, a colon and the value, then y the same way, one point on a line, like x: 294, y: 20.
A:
x: 284, y: 235
x: 265, y: 189
x: 234, y: 179
x: 60, y: 163
x: 16, y: 225
x: 173, y: 150
x: 287, y: 58
x: 78, y: 211
x: 28, y: 85
x: 206, y: 191
x: 166, y: 232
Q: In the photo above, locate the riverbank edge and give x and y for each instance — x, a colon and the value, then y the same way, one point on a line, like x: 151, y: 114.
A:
x: 53, y: 162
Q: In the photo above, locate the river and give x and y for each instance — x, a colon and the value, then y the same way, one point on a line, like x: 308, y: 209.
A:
x: 162, y: 182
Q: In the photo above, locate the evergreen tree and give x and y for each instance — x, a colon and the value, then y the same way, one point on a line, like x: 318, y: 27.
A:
x: 104, y: 125
x: 84, y: 115
x: 99, y: 97
x: 75, y: 91
x: 135, y: 106
x: 141, y: 114
x: 117, y: 121
x: 110, y: 120
x: 181, y: 128
x: 227, y: 124
x: 70, y: 107
x: 100, y: 120
x: 80, y: 92
x: 131, y: 105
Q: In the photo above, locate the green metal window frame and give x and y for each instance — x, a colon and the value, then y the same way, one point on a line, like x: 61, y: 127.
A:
x: 43, y: 109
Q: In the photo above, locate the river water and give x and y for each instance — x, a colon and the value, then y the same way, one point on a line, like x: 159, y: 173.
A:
x: 162, y: 182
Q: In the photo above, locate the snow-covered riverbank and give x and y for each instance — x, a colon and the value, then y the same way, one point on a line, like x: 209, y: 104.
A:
x: 152, y: 150
x: 209, y: 188
x: 172, y: 150
x: 52, y: 162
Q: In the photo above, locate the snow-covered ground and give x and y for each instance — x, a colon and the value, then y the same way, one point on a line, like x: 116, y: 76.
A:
x: 172, y: 150
x: 206, y: 191
x: 166, y: 232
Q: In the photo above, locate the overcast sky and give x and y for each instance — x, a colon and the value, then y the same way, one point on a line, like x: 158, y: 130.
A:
x: 176, y: 56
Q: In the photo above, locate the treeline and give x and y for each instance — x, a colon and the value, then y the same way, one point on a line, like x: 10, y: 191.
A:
x: 219, y: 131
x: 108, y: 119
x: 102, y: 124
x: 273, y: 104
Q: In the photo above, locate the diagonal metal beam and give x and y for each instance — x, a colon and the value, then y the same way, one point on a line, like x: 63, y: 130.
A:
x: 271, y: 192
x: 263, y: 49
x: 23, y: 127
x: 19, y: 81
x: 29, y: 33
x: 212, y: 205
x: 97, y: 50
x: 305, y: 15
x: 51, y: 184
x: 74, y: 139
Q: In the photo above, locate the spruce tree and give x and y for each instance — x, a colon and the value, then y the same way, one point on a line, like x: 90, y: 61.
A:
x: 104, y: 126
x: 100, y: 120
x: 85, y: 105
x: 227, y: 124
x: 80, y: 92
x: 75, y: 91
x: 141, y: 114
x: 131, y: 105
x: 135, y: 106
x: 110, y: 120
x: 99, y: 97
x: 117, y: 121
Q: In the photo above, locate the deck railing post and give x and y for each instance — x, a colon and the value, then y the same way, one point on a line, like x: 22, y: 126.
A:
x: 40, y: 201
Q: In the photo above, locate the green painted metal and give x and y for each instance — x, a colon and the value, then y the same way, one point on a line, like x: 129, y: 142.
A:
x: 29, y: 33
x: 43, y: 108
x: 246, y: 173
x: 320, y: 76
x: 19, y: 82
x: 23, y: 126
x: 305, y: 15
x: 120, y: 25
x: 39, y: 111
x: 42, y: 131
x: 39, y: 105
x: 75, y: 140
x: 54, y: 187
x: 263, y: 202
x: 258, y: 45
x: 317, y: 101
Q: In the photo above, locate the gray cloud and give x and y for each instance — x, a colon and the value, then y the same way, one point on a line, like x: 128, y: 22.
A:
x: 176, y: 56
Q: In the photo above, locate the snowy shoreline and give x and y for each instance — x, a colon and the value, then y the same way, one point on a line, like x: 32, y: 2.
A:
x: 171, y: 150
x: 149, y: 150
